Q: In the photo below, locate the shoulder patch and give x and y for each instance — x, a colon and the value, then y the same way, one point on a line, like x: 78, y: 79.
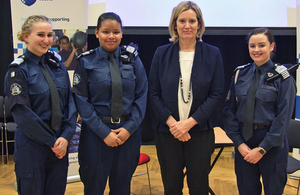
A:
x: 18, y: 61
x: 76, y: 79
x: 242, y: 66
x: 86, y: 53
x: 15, y: 89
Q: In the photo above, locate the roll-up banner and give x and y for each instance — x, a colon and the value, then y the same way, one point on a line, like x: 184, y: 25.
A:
x: 69, y: 18
x: 296, y: 151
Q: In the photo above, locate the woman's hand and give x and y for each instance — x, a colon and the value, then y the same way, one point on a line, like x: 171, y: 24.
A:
x: 60, y: 147
x: 122, y: 134
x: 184, y: 138
x: 112, y: 140
x: 182, y: 127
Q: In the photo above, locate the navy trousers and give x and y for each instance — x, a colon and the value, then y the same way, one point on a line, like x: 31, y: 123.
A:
x: 271, y: 167
x: 38, y: 170
x: 99, y: 162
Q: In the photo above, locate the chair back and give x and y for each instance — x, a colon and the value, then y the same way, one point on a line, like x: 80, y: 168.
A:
x: 293, y: 134
x: 1, y: 108
x: 7, y: 114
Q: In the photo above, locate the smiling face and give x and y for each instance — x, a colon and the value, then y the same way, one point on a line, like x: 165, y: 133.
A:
x: 187, y: 25
x: 64, y: 44
x: 260, y: 48
x: 109, y: 34
x: 40, y: 38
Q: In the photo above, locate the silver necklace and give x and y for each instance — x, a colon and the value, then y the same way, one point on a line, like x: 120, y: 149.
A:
x: 181, y: 85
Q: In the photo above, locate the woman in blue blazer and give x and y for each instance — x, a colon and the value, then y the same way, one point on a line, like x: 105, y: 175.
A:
x: 186, y: 82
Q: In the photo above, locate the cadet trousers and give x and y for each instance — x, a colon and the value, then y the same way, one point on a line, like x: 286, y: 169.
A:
x: 38, y: 170
x: 99, y: 162
x: 271, y: 167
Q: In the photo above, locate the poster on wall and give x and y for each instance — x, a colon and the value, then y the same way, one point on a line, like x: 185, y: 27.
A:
x: 69, y: 22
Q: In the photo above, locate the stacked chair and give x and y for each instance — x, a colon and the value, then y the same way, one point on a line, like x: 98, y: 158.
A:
x: 9, y: 126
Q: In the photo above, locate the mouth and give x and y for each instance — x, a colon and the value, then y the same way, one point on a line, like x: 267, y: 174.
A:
x: 257, y: 55
x: 45, y: 47
x: 110, y: 42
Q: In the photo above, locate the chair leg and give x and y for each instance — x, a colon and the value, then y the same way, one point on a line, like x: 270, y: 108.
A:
x: 148, y: 178
x: 298, y: 186
x: 6, y: 146
x: 2, y: 145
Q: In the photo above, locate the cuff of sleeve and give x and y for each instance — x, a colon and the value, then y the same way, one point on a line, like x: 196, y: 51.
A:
x: 164, y: 115
x: 103, y: 131
x: 130, y: 127
x: 265, y: 146
x: 68, y: 136
x: 238, y: 141
x: 51, y: 143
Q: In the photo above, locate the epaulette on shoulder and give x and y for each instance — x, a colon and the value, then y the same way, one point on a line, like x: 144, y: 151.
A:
x: 54, y: 54
x: 242, y: 66
x: 129, y: 52
x: 18, y: 61
x: 86, y: 53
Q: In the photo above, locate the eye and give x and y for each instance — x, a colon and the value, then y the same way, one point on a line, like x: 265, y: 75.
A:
x: 40, y: 34
x: 192, y: 21
x: 50, y: 35
x: 262, y: 45
x: 181, y: 21
x: 117, y: 32
x: 252, y: 46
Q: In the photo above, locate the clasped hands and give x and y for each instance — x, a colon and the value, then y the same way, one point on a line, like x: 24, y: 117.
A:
x: 60, y: 147
x: 251, y: 156
x: 117, y: 137
x: 180, y: 129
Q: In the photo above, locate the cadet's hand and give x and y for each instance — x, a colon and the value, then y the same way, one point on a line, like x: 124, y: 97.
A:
x: 244, y: 149
x: 112, y: 140
x: 254, y: 156
x: 60, y: 147
x: 122, y: 133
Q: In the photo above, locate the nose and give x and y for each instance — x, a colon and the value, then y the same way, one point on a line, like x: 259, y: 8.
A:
x: 187, y: 25
x: 111, y: 35
x: 47, y: 39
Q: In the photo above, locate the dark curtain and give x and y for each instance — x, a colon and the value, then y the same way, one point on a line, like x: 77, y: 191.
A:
x: 6, y: 46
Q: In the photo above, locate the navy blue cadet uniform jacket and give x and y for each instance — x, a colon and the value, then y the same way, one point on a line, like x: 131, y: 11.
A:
x: 30, y: 100
x: 92, y: 87
x: 274, y: 105
x: 207, y: 78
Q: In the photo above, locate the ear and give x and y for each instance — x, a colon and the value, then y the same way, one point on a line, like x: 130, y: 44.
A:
x: 96, y: 33
x: 25, y: 37
x: 272, y: 46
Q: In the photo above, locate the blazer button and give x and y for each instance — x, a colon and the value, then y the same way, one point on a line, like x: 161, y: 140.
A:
x: 195, y: 87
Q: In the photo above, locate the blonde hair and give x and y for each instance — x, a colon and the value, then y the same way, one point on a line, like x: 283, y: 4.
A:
x: 183, y: 6
x: 27, y: 26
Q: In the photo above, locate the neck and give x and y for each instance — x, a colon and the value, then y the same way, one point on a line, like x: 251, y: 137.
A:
x: 187, y: 45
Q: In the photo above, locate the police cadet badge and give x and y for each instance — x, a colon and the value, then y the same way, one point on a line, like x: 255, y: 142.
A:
x: 15, y: 89
x: 76, y: 79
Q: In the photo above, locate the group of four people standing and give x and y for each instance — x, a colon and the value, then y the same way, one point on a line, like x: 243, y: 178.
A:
x: 110, y: 87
